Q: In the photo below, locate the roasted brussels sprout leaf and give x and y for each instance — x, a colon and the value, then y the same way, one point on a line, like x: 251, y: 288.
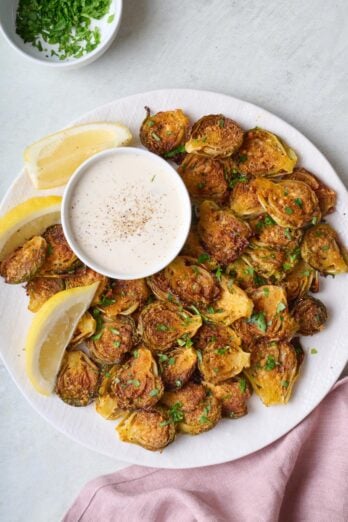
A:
x: 326, y: 196
x: 224, y: 235
x: 298, y: 282
x: 204, y: 178
x: 273, y: 371
x: 233, y: 396
x: 161, y: 324
x: 165, y: 133
x: 216, y: 136
x: 78, y: 379
x: 291, y: 203
x: 60, y: 258
x: 40, y: 289
x: 124, y: 297
x: 24, y: 263
x: 85, y: 328
x: 185, y: 280
x: 137, y: 383
x: 264, y: 154
x: 310, y: 314
x: 221, y: 362
x: 106, y: 404
x: 267, y: 261
x: 215, y: 333
x: 85, y: 276
x: 113, y: 340
x: 193, y: 409
x: 232, y: 304
x: 150, y: 429
x: 321, y: 250
x: 177, y: 366
x: 244, y: 201
x: 195, y: 249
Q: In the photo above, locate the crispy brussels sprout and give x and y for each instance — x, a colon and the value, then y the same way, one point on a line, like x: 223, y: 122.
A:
x: 290, y: 203
x: 264, y: 154
x: 326, y: 196
x: 298, y: 282
x: 60, y: 258
x: 321, y: 250
x: 233, y: 396
x: 221, y: 362
x: 165, y: 133
x: 137, y: 383
x: 232, y: 304
x: 195, y: 249
x: 310, y: 314
x: 114, y: 339
x: 268, y: 233
x: 273, y: 371
x: 184, y: 279
x: 85, y: 328
x: 224, y: 235
x: 22, y: 264
x: 266, y: 261
x: 204, y: 178
x: 216, y: 136
x: 152, y: 429
x: 78, y: 379
x: 85, y: 276
x: 243, y: 199
x: 192, y: 408
x: 40, y: 289
x: 125, y: 296
x: 161, y: 324
x: 178, y: 365
x: 215, y: 333
x: 106, y: 404
x: 244, y: 275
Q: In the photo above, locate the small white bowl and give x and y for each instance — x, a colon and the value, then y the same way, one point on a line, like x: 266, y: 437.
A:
x: 8, y: 10
x: 158, y: 262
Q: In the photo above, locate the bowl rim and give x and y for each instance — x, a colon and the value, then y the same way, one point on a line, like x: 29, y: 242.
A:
x: 69, y: 190
x: 75, y: 62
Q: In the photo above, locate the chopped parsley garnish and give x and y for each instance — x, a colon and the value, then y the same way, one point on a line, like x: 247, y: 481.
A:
x: 202, y: 258
x: 210, y: 310
x: 162, y: 357
x: 171, y: 361
x: 242, y: 384
x: 106, y: 301
x: 325, y: 248
x: 222, y: 351
x: 238, y: 179
x: 222, y: 122
x: 289, y: 210
x: 285, y: 384
x: 150, y: 123
x: 110, y: 19
x: 204, y: 417
x: 174, y: 152
x: 218, y: 273
x: 314, y: 220
x: 314, y: 351
x: 266, y: 291
x: 117, y: 344
x: 154, y: 392
x: 134, y: 382
x: 259, y: 320
x: 287, y: 233
x: 298, y: 202
x: 156, y: 136
x: 185, y: 341
x: 136, y: 354
x: 170, y: 297
x: 49, y: 249
x: 162, y: 327
x: 270, y: 363
x: 178, y: 383
x: 195, y: 270
x: 175, y: 414
x: 280, y: 307
x: 242, y: 158
x: 114, y: 330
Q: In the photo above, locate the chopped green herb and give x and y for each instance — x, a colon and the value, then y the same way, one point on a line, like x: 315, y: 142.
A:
x: 162, y: 357
x: 266, y: 291
x: 204, y: 417
x: 107, y: 374
x: 280, y: 307
x: 314, y: 220
x: 237, y: 179
x: 136, y: 354
x: 289, y: 210
x: 150, y: 123
x: 285, y: 384
x: 222, y: 122
x: 202, y: 258
x: 325, y: 248
x: 134, y: 382
x: 242, y: 158
x: 154, y: 392
x: 170, y: 297
x: 287, y: 266
x: 162, y: 327
x: 117, y: 344
x: 49, y: 249
x: 287, y: 233
x: 259, y: 320
x: 178, y: 383
x: 156, y: 136
x: 171, y: 361
x: 174, y: 152
x: 270, y: 363
x: 106, y: 301
x: 218, y: 273
x: 314, y: 351
x: 111, y: 18
x: 242, y: 384
x: 98, y: 335
x: 306, y: 273
x: 114, y: 330
x: 299, y: 202
x: 153, y: 177
x: 222, y: 351
x: 210, y: 310
x: 199, y: 356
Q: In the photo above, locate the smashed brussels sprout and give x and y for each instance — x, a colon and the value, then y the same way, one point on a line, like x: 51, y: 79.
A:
x: 204, y: 178
x: 165, y: 133
x: 264, y: 154
x: 60, y: 258
x: 215, y: 332
x: 194, y: 248
x: 113, y: 341
x: 193, y: 408
x: 273, y: 371
x: 268, y: 233
x: 177, y: 366
x: 161, y: 324
x: 153, y: 430
x: 310, y: 314
x: 233, y: 396
x: 186, y: 281
x: 224, y: 235
x: 24, y: 263
x: 326, y: 196
x: 221, y: 362
x: 298, y: 282
x: 137, y: 383
x: 106, y: 404
x: 216, y: 136
x: 78, y: 379
x: 321, y: 250
x: 40, y: 289
x: 124, y: 297
x: 85, y: 276
x: 290, y: 203
x: 244, y: 201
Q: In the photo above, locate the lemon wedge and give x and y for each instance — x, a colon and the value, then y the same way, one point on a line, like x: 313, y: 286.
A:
x: 51, y: 161
x: 28, y: 219
x: 50, y: 332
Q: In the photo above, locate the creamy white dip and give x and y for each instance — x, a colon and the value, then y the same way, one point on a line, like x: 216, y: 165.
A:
x: 127, y: 214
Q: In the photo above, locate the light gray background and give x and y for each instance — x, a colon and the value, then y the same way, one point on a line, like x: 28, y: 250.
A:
x: 288, y: 56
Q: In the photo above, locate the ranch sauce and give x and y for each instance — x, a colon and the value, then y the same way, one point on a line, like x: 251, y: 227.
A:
x: 126, y: 214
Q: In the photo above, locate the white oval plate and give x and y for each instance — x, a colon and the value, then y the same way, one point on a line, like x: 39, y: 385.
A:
x: 231, y: 439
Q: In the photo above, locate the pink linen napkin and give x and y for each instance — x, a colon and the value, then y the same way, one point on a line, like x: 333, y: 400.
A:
x: 303, y: 477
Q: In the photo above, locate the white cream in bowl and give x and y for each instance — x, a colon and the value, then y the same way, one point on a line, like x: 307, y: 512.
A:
x: 126, y: 213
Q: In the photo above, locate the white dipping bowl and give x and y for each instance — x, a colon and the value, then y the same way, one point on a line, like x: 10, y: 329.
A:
x: 8, y: 10
x: 81, y: 228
